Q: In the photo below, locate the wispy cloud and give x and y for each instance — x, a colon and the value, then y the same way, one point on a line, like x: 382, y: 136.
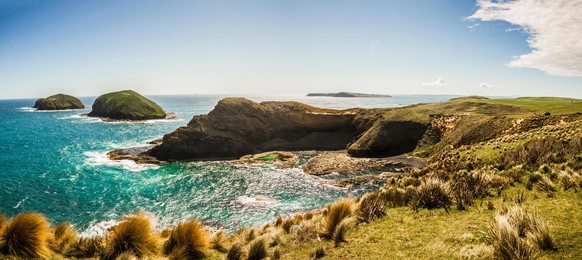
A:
x: 473, y: 26
x: 554, y: 28
x: 487, y: 85
x: 439, y: 82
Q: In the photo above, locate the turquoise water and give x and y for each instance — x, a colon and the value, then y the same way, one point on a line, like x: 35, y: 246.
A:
x: 55, y: 163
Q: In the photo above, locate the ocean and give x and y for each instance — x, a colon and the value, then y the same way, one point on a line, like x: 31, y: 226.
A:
x: 55, y: 163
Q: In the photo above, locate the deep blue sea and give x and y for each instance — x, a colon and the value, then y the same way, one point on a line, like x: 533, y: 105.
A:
x: 55, y: 163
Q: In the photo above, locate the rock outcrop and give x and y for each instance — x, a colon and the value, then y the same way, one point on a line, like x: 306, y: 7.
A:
x: 238, y: 126
x: 347, y: 94
x: 58, y: 102
x: 126, y: 105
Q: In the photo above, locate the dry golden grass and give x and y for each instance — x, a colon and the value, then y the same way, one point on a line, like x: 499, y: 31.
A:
x: 518, y: 234
x: 257, y: 249
x: 187, y: 241
x: 135, y: 234
x: 339, y: 236
x: 65, y: 238
x: 432, y: 193
x: 26, y: 235
x: 337, y: 212
x: 217, y: 242
x: 126, y: 256
x: 235, y: 252
x: 88, y: 247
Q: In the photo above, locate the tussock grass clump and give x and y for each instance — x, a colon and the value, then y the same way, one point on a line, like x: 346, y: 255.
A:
x: 540, y: 234
x: 88, y: 247
x: 26, y: 235
x: 337, y: 212
x: 217, y: 241
x: 520, y: 197
x: 2, y: 222
x: 187, y: 241
x: 287, y: 224
x: 235, y: 252
x: 127, y: 256
x: 257, y: 249
x: 570, y: 180
x: 279, y: 221
x: 506, y: 242
x: 135, y: 234
x: 517, y: 234
x: 306, y: 232
x: 343, y: 227
x: 250, y: 234
x: 372, y: 206
x: 432, y: 193
x: 318, y: 253
x: 65, y: 238
x: 276, y: 254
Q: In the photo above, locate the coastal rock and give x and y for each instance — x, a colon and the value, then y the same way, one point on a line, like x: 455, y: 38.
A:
x: 238, y: 126
x: 347, y: 95
x: 280, y: 159
x: 58, y: 102
x: 126, y: 105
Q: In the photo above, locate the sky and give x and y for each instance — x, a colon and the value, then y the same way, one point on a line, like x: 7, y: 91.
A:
x: 291, y: 47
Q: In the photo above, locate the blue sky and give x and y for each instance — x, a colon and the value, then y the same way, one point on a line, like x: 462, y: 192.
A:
x: 87, y: 48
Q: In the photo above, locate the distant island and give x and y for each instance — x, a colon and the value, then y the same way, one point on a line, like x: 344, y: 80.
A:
x: 58, y: 102
x: 126, y: 105
x: 347, y: 94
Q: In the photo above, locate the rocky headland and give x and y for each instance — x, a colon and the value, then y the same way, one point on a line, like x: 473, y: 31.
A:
x: 348, y: 95
x: 238, y: 127
x: 58, y: 102
x: 126, y: 105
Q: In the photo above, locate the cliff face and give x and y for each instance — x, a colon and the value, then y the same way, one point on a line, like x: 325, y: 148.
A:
x: 58, y: 102
x: 238, y: 126
x: 126, y: 105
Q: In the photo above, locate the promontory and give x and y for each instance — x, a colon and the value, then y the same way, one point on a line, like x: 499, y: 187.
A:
x: 58, y: 102
x: 126, y: 105
x: 238, y: 126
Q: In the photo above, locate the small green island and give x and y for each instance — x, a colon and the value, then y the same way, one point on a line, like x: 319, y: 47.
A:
x: 58, y: 102
x: 126, y: 105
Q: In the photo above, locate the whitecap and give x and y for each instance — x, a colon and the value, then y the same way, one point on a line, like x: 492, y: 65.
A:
x: 26, y: 109
x: 101, y: 159
x: 20, y: 203
x: 98, y: 228
x: 256, y: 200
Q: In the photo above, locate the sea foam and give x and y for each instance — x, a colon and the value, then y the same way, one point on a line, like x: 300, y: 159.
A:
x: 101, y: 159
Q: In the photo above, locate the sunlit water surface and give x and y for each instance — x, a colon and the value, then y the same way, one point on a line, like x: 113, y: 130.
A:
x: 55, y: 163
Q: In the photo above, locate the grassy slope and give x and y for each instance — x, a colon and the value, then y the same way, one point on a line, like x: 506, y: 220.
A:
x: 435, y: 234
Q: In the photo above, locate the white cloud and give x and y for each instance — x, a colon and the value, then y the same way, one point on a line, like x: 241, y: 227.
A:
x: 439, y: 82
x: 554, y: 28
x: 487, y: 85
